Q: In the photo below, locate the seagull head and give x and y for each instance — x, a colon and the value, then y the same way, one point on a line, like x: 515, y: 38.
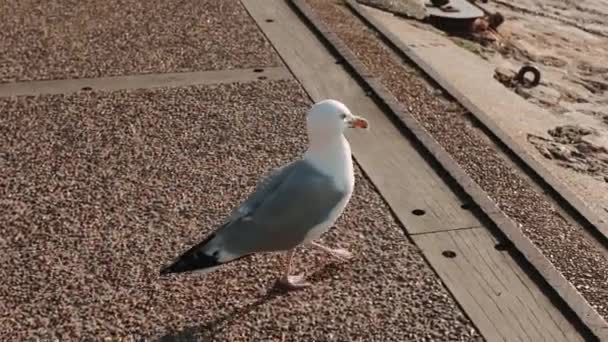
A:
x: 331, y: 118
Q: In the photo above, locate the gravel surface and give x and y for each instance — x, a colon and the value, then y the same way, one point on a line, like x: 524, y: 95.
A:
x: 89, y: 38
x: 99, y: 190
x: 582, y: 262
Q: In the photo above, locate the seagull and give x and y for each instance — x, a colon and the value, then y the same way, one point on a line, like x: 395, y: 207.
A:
x: 293, y: 206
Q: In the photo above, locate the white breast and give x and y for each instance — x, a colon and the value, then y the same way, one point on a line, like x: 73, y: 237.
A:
x: 336, y: 162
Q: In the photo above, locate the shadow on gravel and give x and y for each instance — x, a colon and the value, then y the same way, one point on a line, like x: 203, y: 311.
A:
x: 207, y: 331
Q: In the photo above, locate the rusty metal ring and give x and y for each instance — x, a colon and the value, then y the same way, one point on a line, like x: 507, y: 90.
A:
x: 523, y: 71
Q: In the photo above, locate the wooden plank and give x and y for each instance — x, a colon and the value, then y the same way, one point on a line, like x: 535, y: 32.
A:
x: 401, y: 175
x: 143, y: 81
x: 504, y: 303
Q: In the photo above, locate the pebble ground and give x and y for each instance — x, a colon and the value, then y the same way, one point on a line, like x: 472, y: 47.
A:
x: 98, y: 190
x: 61, y: 39
x: 582, y: 262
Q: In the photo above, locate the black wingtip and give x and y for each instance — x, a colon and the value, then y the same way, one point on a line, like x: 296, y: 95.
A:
x: 166, y: 270
x: 192, y: 260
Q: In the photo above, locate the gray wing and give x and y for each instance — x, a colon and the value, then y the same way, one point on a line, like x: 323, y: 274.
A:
x: 267, y: 185
x: 280, y: 214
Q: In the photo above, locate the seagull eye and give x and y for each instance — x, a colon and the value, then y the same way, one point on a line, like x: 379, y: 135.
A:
x: 342, y: 116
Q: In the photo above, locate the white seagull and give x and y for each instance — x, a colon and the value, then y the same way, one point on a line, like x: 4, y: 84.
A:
x: 294, y: 205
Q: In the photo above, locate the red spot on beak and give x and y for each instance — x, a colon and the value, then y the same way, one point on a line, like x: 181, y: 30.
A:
x: 360, y: 123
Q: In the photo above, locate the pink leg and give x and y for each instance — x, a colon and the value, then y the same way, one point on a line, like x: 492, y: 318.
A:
x: 339, y: 253
x: 292, y: 282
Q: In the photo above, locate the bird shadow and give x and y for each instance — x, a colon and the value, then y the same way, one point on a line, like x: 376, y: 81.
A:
x: 208, y: 330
